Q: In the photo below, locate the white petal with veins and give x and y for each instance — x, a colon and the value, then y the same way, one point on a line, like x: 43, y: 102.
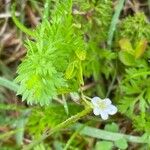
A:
x: 96, y: 111
x: 104, y: 115
x: 107, y: 101
x: 112, y: 110
x: 95, y: 101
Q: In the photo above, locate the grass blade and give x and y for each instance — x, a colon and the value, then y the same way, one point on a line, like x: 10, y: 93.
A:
x: 8, y: 84
x: 114, y: 22
x: 106, y: 135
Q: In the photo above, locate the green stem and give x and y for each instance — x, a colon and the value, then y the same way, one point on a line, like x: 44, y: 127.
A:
x: 46, y: 10
x: 111, y: 85
x: 19, y: 25
x: 72, y: 137
x: 84, y: 99
x: 114, y: 22
x: 9, y: 134
x: 65, y: 104
x: 8, y: 84
x: 107, y: 135
x: 62, y: 125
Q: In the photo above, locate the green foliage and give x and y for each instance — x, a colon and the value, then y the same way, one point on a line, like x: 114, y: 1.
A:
x: 134, y: 82
x: 144, y: 126
x: 93, y: 65
x: 135, y: 27
x: 42, y: 73
x: 104, y: 145
x: 94, y: 15
x: 121, y: 144
x: 127, y: 59
x: 69, y: 48
x: 113, y: 127
x: 41, y: 147
x: 115, y: 20
x: 134, y: 32
x: 93, y: 19
x: 48, y: 117
x: 129, y: 52
x: 134, y: 94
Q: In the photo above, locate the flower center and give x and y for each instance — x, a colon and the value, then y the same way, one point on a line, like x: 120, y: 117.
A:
x: 102, y: 105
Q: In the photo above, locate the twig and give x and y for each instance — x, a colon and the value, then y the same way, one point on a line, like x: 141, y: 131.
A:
x: 15, y: 56
x: 6, y: 18
x: 8, y: 15
x: 88, y: 86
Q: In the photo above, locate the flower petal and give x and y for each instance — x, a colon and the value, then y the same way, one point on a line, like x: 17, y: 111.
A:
x: 112, y: 110
x: 95, y: 100
x: 107, y: 101
x: 104, y: 115
x: 96, y: 111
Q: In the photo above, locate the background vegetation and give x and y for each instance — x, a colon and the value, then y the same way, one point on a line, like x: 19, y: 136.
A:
x: 56, y: 55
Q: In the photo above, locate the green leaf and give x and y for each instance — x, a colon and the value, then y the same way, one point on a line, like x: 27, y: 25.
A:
x: 81, y: 54
x: 135, y: 27
x: 125, y: 45
x: 58, y: 145
x: 113, y: 127
x: 104, y: 145
x: 65, y: 104
x: 49, y: 117
x: 70, y: 70
x: 114, y: 22
x: 41, y: 74
x: 8, y: 84
x: 39, y: 147
x: 20, y: 125
x: 80, y: 74
x: 148, y: 94
x: 143, y: 105
x: 107, y: 135
x: 126, y: 58
x: 140, y: 48
x: 121, y: 143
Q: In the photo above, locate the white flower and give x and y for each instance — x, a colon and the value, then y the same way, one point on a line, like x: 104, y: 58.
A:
x: 103, y: 107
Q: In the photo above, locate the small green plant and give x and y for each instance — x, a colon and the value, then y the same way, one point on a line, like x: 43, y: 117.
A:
x: 120, y: 143
x: 135, y: 27
x: 81, y: 53
x: 53, y: 64
x: 134, y: 86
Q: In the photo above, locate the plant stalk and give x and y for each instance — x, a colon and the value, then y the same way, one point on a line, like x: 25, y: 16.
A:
x: 62, y: 125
